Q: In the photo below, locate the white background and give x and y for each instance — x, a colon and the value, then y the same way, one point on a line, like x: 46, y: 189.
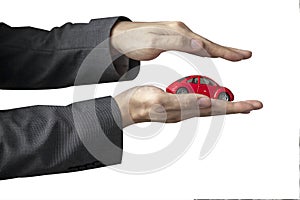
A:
x: 257, y: 155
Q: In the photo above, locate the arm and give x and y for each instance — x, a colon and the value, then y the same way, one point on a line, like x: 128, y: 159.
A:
x: 42, y: 140
x: 31, y: 58
x: 54, y: 139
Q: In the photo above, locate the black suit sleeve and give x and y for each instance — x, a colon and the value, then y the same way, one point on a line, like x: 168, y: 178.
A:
x: 73, y: 54
x: 55, y: 139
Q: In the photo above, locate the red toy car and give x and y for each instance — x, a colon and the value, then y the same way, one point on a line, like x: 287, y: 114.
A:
x: 200, y: 85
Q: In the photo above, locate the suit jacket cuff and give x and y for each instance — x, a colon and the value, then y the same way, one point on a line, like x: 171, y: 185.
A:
x: 101, y: 55
x: 98, y: 124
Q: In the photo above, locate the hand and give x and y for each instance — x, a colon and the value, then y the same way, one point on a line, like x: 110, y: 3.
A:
x: 146, y: 40
x: 149, y: 103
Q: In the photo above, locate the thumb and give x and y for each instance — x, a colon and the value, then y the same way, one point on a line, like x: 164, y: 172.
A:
x: 183, y: 43
x: 186, y: 102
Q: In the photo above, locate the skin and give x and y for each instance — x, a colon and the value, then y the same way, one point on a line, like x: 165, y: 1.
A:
x: 146, y: 41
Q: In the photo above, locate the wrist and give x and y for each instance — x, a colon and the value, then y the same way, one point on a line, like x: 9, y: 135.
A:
x: 116, y: 31
x: 123, y: 104
x: 113, y: 44
x: 131, y: 109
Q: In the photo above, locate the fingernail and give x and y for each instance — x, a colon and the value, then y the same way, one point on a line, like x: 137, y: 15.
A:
x: 204, y: 102
x: 196, y: 44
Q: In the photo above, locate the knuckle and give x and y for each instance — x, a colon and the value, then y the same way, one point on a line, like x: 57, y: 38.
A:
x: 157, y: 99
x: 179, y: 24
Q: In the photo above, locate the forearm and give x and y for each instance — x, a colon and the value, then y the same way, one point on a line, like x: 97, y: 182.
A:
x: 37, y: 59
x: 54, y: 139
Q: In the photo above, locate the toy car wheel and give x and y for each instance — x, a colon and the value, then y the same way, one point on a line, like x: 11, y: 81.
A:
x: 182, y: 91
x: 223, y: 96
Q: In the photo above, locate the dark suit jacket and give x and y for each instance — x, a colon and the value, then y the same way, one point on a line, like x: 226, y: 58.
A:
x: 51, y: 139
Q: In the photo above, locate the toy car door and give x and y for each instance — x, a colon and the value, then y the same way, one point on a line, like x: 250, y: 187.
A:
x: 203, y: 87
x: 194, y: 84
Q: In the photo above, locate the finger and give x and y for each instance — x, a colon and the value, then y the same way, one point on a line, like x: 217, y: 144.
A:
x: 177, y: 102
x: 179, y: 40
x: 165, y: 103
x: 216, y: 50
x: 247, y: 54
x: 190, y: 42
x: 174, y: 108
x: 257, y: 104
x: 183, y: 39
x: 239, y: 107
x: 220, y: 107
